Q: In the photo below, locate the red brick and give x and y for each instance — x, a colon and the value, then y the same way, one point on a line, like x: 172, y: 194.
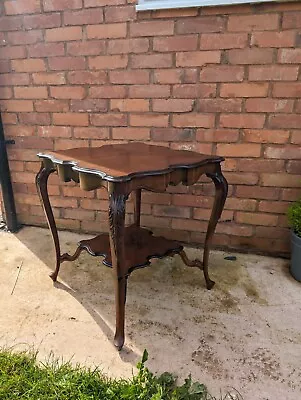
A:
x: 190, y: 75
x: 221, y: 73
x: 215, y: 41
x: 16, y: 105
x: 256, y: 219
x: 174, y: 13
x: 35, y: 118
x: 129, y: 77
x: 200, y: 25
x: 280, y: 180
x: 124, y: 46
x: 4, y: 66
x: 9, y: 118
x: 29, y: 65
x: 29, y: 37
x: 204, y: 214
x: 172, y: 105
x: 67, y: 92
x: 287, y: 89
x: 237, y: 150
x: 189, y: 225
x: 266, y: 136
x: 6, y: 93
x: 240, y: 204
x: 63, y: 144
x: 14, y: 79
x: 149, y: 91
x: 108, y: 62
x: 54, y: 131
x: 75, y: 191
x: 72, y: 119
x: 273, y: 73
x: 192, y: 91
x: 109, y: 119
x: 242, y: 120
x: 131, y: 133
x: 275, y: 207
x: 151, y: 61
x: 250, y: 56
x: 87, y: 77
x: 51, y: 105
x: 79, y: 214
x: 175, y: 43
x: 129, y: 105
x: 234, y: 229
x: 285, y: 121
x: 19, y: 130
x: 100, y: 3
x: 167, y: 75
x: 63, y: 34
x: 171, y: 211
x: 152, y: 28
x: 91, y: 133
x: 149, y: 120
x: 247, y: 23
x: 120, y: 13
x: 289, y: 56
x: 193, y: 120
x: 41, y: 21
x: 291, y: 20
x: 86, y: 48
x: 296, y: 137
x: 204, y: 148
x: 283, y: 152
x: 46, y: 50
x: 217, y: 135
x: 290, y: 194
x: 12, y: 52
x: 37, y: 92
x: 22, y: 7
x: 219, y: 105
x: 293, y: 167
x: 172, y: 134
x: 242, y: 178
x: 197, y: 58
x: 106, y: 31
x: 32, y: 142
x: 260, y: 165
x: 107, y: 92
x: 10, y: 23
x: 46, y: 78
x: 271, y: 232
x: 273, y: 39
x: 269, y: 105
x: 89, y: 105
x: 66, y: 63
x: 61, y: 5
x: 83, y: 17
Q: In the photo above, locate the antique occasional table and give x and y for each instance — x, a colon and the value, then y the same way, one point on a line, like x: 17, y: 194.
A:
x: 122, y: 169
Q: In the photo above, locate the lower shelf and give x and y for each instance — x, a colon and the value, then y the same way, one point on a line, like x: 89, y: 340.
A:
x: 140, y: 247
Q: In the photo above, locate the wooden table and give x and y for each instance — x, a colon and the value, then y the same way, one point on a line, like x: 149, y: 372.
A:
x: 122, y: 169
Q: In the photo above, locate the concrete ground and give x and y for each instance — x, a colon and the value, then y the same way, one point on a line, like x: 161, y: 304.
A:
x: 243, y: 334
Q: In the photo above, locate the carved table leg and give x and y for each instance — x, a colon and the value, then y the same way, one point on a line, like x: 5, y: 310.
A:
x: 41, y: 182
x: 221, y: 191
x: 117, y: 219
x: 137, y: 208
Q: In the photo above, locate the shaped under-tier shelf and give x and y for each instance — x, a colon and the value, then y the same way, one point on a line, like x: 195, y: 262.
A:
x: 140, y: 247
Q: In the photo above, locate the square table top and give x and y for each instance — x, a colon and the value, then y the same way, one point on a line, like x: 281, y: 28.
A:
x: 133, y: 159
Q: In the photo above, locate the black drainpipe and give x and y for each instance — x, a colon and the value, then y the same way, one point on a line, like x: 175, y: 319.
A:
x: 6, y: 185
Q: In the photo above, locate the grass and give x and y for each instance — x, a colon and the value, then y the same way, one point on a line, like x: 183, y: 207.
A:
x: 22, y: 377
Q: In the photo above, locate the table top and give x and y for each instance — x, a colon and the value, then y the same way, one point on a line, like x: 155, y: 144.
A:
x: 120, y: 162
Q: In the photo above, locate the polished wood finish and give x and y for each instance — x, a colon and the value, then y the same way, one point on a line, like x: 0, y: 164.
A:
x: 123, y: 169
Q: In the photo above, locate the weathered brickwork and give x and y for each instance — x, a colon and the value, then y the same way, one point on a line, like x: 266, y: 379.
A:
x: 220, y: 80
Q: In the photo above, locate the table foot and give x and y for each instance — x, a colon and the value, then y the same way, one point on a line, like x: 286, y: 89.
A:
x: 197, y: 264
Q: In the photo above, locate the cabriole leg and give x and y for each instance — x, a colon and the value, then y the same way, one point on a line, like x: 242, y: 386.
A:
x: 221, y: 191
x: 41, y: 182
x: 137, y: 207
x: 117, y: 221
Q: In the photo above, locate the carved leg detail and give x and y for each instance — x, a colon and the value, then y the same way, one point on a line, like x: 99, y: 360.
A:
x: 117, y: 219
x: 41, y: 182
x: 137, y: 210
x: 221, y: 191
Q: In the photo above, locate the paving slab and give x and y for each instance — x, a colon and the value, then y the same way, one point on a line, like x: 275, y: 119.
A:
x: 245, y: 333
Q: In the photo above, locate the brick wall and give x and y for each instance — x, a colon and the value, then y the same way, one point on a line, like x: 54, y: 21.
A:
x: 223, y: 80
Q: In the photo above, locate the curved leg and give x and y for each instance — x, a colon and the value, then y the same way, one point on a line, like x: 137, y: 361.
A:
x: 221, y: 191
x: 41, y: 182
x: 137, y: 207
x: 117, y: 218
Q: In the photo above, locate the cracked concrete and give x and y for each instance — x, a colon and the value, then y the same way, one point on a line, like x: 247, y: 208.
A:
x: 245, y: 333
